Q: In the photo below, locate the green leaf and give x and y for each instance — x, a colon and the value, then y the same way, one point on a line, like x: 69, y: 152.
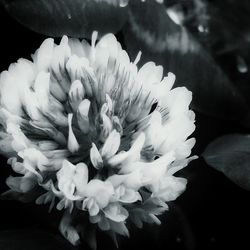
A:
x: 23, y: 239
x: 170, y: 45
x: 230, y: 154
x: 76, y: 18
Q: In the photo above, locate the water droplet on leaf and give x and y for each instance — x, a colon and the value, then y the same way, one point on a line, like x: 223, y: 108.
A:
x: 241, y: 65
x: 203, y: 29
x: 178, y: 239
x: 123, y: 3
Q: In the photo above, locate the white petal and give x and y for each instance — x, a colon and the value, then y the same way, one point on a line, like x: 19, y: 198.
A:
x: 169, y: 81
x: 10, y: 97
x: 116, y: 179
x: 41, y: 88
x: 30, y: 103
x: 125, y: 158
x: 44, y: 55
x: 93, y: 209
x: 179, y: 164
x: 75, y: 66
x: 6, y: 144
x: 20, y: 141
x: 21, y: 184
x: 154, y: 131
x: 23, y: 71
x: 111, y: 145
x: 106, y: 127
x: 73, y: 145
x: 184, y: 149
x: 17, y: 166
x: 176, y: 131
x: 138, y: 57
x: 68, y: 231
x: 95, y: 157
x: 61, y: 53
x: 155, y: 219
x: 48, y: 145
x: 150, y: 74
x: 57, y: 91
x: 86, y: 48
x: 104, y: 224
x: 130, y: 196
x: 84, y: 107
x: 136, y: 180
x: 171, y: 188
x: 82, y: 116
x: 65, y: 179
x: 161, y: 90
x: 155, y: 170
x: 100, y: 191
x: 80, y: 177
x: 77, y: 47
x: 116, y: 212
x: 7, y: 117
x: 35, y: 157
x: 119, y: 228
x: 76, y: 94
x: 108, y: 43
x: 178, y: 101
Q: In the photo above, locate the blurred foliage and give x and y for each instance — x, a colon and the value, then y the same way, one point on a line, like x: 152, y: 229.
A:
x: 171, y: 45
x: 223, y: 28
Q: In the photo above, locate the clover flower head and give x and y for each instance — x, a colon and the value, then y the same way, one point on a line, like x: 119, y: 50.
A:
x: 89, y: 133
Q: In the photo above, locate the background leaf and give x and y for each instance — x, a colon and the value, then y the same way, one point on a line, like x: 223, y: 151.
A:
x: 76, y: 18
x: 223, y: 28
x: 230, y: 154
x: 168, y: 44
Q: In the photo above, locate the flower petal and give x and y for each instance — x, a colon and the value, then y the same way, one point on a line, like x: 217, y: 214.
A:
x: 116, y: 212
x: 21, y: 184
x: 124, y: 158
x: 82, y: 116
x: 111, y: 145
x: 76, y: 94
x: 43, y: 55
x: 95, y: 157
x: 68, y: 231
x: 80, y: 177
x: 101, y: 191
x: 73, y: 145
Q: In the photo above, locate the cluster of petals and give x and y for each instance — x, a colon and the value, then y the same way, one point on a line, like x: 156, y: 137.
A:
x: 87, y: 132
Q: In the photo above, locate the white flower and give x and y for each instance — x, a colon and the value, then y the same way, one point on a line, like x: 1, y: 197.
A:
x: 90, y: 133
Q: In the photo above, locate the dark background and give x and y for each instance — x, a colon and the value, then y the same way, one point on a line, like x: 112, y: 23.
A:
x: 213, y: 213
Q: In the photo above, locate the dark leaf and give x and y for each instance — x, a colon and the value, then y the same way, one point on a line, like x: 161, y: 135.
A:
x: 230, y: 154
x: 168, y: 44
x: 30, y: 239
x: 226, y: 22
x: 222, y: 27
x: 77, y: 18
